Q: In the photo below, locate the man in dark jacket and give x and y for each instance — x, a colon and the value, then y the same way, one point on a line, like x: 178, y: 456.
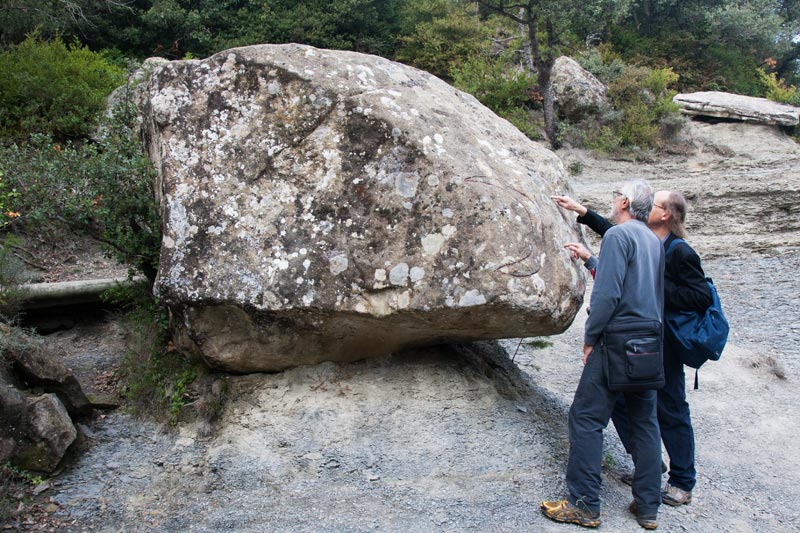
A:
x: 628, y: 286
x: 685, y: 288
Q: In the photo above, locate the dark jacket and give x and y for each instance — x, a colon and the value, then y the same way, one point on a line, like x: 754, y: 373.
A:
x: 685, y: 287
x: 597, y: 223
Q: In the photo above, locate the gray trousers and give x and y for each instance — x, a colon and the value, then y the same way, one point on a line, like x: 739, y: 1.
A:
x: 589, y: 415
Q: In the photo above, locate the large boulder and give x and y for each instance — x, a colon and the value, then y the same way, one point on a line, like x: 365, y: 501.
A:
x: 737, y: 107
x: 577, y: 92
x: 328, y: 205
x: 35, y: 431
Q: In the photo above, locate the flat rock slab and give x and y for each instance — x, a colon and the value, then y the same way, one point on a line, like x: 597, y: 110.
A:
x: 329, y: 205
x: 738, y: 107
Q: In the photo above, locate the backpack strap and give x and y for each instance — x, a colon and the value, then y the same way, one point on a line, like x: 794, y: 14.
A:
x: 672, y: 244
x: 675, y: 241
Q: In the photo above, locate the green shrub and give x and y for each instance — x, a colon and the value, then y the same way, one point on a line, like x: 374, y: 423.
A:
x: 502, y: 87
x: 641, y: 98
x: 777, y: 90
x: 497, y: 83
x: 441, y: 36
x: 53, y: 88
x: 12, y: 275
x: 155, y: 375
x: 103, y: 188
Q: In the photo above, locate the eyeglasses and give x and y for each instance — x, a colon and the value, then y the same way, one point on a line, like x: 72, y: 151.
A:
x: 616, y: 194
x: 660, y: 207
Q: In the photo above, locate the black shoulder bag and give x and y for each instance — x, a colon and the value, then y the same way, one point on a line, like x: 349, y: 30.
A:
x: 633, y: 355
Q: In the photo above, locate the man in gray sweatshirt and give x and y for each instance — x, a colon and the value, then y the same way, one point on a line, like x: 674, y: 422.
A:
x: 628, y: 285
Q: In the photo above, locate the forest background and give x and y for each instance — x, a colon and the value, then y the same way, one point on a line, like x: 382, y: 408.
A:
x: 67, y: 167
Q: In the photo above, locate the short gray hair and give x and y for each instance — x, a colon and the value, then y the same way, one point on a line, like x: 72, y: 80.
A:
x: 640, y: 198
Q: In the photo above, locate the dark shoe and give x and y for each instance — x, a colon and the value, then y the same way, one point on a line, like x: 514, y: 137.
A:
x: 647, y: 521
x: 674, y: 496
x: 563, y: 511
x: 628, y: 478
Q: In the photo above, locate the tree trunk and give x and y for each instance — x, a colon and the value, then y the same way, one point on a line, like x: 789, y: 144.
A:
x: 526, y: 45
x: 548, y: 103
x: 544, y: 67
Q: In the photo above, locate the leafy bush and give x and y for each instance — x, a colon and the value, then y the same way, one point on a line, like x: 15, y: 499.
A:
x: 777, y: 90
x: 53, y: 88
x: 440, y: 36
x: 104, y: 189
x: 502, y: 87
x: 11, y: 277
x: 642, y: 104
x: 155, y: 375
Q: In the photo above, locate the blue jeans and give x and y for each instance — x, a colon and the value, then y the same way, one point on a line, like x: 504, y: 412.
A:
x: 675, y: 422
x: 590, y: 412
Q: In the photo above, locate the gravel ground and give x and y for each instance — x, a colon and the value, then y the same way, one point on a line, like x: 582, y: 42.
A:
x: 447, y: 439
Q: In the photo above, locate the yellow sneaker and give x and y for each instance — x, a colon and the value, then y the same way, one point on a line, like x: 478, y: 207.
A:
x: 563, y: 511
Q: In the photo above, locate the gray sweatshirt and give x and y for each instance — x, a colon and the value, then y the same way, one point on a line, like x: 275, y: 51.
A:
x: 629, y: 282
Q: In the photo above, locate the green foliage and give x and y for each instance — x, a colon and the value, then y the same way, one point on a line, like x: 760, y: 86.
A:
x: 9, y: 471
x: 104, y: 189
x: 502, y: 87
x: 15, y: 484
x: 12, y: 276
x: 53, y: 88
x: 496, y: 83
x: 642, y: 101
x: 441, y: 36
x: 156, y: 376
x: 777, y: 90
x: 8, y: 201
x: 540, y: 344
x: 603, y: 62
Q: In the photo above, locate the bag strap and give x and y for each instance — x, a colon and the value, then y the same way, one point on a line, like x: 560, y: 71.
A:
x: 676, y: 240
x: 672, y: 244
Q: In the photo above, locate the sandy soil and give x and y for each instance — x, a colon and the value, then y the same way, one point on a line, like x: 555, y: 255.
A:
x: 463, y: 438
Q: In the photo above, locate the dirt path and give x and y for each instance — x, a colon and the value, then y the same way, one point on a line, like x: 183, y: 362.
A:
x: 462, y: 439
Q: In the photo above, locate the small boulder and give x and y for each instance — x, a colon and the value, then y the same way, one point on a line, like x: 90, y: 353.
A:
x: 41, y: 370
x: 577, y: 91
x: 39, y: 367
x: 737, y: 107
x: 35, y: 431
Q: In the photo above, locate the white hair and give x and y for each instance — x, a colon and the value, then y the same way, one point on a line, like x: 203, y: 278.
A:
x: 640, y: 198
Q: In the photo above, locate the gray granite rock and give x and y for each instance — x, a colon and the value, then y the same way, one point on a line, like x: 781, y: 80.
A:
x: 329, y: 205
x: 738, y: 107
x: 576, y: 90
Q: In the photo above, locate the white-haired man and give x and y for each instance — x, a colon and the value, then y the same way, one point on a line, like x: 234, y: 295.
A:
x: 628, y: 285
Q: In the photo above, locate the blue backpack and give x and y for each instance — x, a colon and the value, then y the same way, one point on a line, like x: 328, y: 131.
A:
x: 699, y: 336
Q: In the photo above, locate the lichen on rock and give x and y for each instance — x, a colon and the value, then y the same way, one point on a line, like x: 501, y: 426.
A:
x: 328, y: 205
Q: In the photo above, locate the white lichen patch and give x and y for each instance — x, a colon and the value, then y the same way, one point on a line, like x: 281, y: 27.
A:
x: 448, y: 231
x: 380, y: 274
x: 447, y: 212
x: 433, y: 180
x: 416, y: 274
x: 399, y: 274
x: 471, y: 297
x: 337, y: 262
x: 431, y: 244
x: 406, y: 183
